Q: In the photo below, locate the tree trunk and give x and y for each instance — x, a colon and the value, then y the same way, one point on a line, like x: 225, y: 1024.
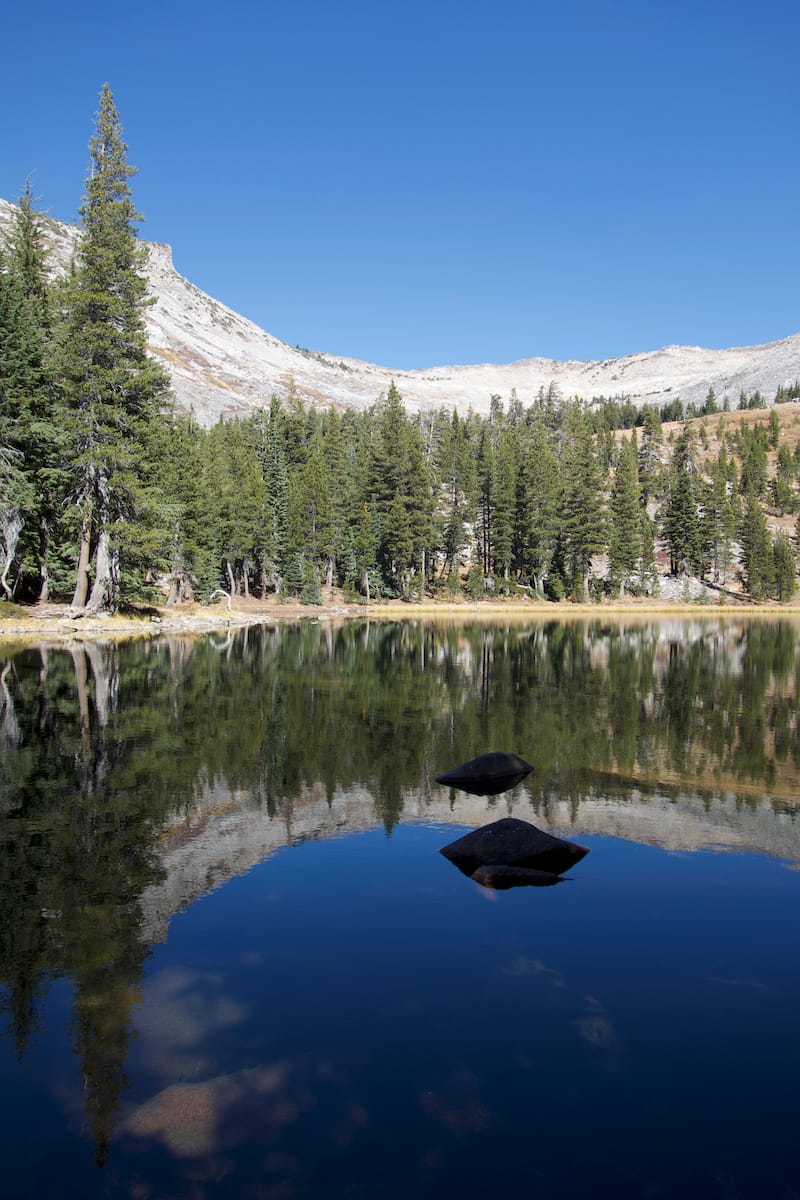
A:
x: 44, y: 572
x: 102, y: 596
x: 230, y: 576
x: 82, y: 580
x: 12, y: 523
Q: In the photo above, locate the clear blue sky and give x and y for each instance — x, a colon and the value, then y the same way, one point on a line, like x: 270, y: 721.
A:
x: 423, y: 183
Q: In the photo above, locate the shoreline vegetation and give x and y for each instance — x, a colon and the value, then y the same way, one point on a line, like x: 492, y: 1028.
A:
x: 32, y: 624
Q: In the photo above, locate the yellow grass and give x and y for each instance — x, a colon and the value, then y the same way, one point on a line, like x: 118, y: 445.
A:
x: 21, y: 626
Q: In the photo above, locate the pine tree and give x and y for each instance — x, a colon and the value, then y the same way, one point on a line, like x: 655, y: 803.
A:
x: 649, y: 454
x: 757, y: 554
x: 785, y: 567
x: 399, y: 489
x: 681, y: 525
x: 783, y: 483
x: 719, y: 523
x: 583, y: 516
x: 625, y: 538
x: 15, y: 491
x: 112, y: 385
x: 188, y: 528
x: 503, y: 484
x: 274, y: 541
x: 537, y: 520
x: 31, y: 423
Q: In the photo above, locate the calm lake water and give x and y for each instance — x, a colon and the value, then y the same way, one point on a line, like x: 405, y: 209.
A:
x: 233, y: 964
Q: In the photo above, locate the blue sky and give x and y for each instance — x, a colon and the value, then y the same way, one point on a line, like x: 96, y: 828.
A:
x: 426, y: 183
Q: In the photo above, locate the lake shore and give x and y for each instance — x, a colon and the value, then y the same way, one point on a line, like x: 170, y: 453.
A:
x: 59, y: 623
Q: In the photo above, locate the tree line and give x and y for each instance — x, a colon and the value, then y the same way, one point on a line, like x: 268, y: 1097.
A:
x: 107, y: 493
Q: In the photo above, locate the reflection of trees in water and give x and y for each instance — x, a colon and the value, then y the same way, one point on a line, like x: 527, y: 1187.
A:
x: 102, y: 743
x: 77, y: 851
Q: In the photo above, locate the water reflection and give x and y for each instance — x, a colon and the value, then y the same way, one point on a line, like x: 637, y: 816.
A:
x: 135, y: 778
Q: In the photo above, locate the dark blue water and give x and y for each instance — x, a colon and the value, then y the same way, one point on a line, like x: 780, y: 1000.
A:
x: 352, y: 1017
x: 632, y: 1032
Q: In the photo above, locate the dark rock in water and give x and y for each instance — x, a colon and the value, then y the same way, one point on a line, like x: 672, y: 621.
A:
x: 513, y: 843
x: 500, y: 877
x: 488, y: 775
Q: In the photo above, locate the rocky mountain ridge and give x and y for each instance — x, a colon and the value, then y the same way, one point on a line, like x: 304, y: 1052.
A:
x: 222, y: 364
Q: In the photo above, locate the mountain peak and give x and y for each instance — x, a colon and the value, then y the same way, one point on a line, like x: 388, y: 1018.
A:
x: 222, y: 364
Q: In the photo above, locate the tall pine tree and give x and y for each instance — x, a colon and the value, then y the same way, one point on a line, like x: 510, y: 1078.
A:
x: 113, y: 388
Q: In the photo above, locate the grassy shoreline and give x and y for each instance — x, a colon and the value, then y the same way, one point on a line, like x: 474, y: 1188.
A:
x: 57, y: 623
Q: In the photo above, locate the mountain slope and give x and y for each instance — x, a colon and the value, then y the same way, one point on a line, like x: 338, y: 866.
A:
x: 222, y: 364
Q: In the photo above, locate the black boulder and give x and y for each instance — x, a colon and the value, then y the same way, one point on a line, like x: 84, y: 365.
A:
x: 513, y: 843
x: 489, y: 774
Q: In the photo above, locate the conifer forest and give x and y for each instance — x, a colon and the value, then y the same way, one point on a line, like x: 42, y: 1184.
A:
x: 109, y: 494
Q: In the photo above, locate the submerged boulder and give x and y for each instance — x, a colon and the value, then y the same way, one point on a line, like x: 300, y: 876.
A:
x: 488, y: 775
x: 513, y: 844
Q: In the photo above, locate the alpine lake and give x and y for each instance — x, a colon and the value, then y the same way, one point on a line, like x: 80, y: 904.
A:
x: 234, y: 964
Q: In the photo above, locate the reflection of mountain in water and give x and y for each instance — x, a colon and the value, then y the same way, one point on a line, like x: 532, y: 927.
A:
x: 226, y: 835
x: 134, y: 778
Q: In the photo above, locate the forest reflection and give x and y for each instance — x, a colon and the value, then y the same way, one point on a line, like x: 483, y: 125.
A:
x: 105, y: 746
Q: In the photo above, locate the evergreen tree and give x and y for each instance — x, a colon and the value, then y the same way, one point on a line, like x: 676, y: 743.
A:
x: 274, y: 541
x: 783, y: 483
x: 785, y: 567
x: 754, y: 446
x: 719, y: 520
x: 650, y: 446
x: 188, y: 527
x: 648, y: 569
x: 399, y: 487
x: 537, y: 503
x: 112, y: 386
x: 583, y: 515
x: 625, y: 537
x: 757, y: 555
x: 15, y: 492
x: 504, y: 483
x: 681, y: 524
x: 31, y: 425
